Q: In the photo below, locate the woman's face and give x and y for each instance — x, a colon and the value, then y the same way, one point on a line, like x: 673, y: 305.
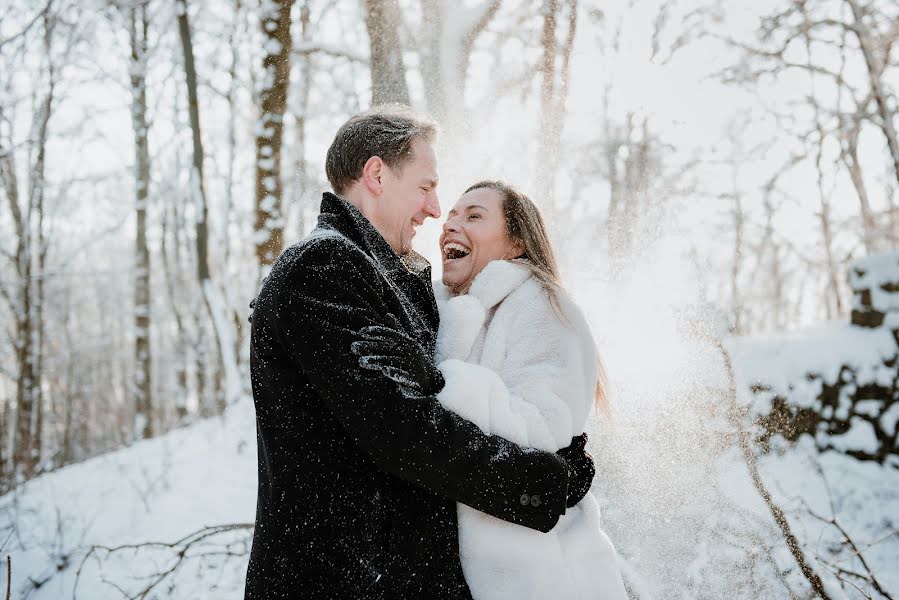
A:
x: 474, y: 234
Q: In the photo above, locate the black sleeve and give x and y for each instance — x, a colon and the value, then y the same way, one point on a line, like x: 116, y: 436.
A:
x: 332, y: 292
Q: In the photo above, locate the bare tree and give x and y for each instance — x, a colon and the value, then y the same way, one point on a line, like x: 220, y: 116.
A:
x: 448, y: 35
x: 301, y: 116
x: 25, y: 297
x: 211, y: 294
x: 142, y: 385
x: 388, y: 71
x: 821, y: 27
x: 269, y: 227
x: 553, y: 94
x: 868, y: 38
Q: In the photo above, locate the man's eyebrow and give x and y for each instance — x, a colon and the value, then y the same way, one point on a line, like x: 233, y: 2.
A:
x: 430, y: 181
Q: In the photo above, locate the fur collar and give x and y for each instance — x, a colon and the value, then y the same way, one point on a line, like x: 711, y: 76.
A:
x: 499, y: 279
x: 491, y: 286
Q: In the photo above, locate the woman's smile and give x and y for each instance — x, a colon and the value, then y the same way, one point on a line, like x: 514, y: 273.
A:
x: 474, y: 234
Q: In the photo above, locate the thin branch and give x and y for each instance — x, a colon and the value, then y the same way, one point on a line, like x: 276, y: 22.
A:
x: 309, y: 48
x: 28, y: 26
x: 181, y: 547
x: 856, y: 552
x: 751, y: 463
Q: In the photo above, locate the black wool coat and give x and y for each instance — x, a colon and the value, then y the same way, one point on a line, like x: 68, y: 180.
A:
x: 359, y: 475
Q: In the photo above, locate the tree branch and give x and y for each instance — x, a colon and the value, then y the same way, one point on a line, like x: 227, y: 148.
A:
x: 181, y: 548
x: 29, y: 25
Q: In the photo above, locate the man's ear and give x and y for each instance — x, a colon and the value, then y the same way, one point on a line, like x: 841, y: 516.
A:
x: 372, y: 173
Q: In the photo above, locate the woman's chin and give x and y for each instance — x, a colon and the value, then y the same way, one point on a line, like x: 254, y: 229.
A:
x: 454, y: 282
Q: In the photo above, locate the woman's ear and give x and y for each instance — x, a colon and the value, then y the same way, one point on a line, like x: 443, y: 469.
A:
x: 516, y: 250
x: 371, y: 175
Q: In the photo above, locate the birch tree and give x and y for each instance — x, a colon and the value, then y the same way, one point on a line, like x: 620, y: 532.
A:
x: 142, y: 384
x: 269, y: 226
x: 24, y: 296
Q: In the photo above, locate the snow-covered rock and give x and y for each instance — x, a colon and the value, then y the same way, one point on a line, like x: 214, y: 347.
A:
x: 874, y: 281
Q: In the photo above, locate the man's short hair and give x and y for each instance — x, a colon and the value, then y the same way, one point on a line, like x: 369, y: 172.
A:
x: 385, y: 131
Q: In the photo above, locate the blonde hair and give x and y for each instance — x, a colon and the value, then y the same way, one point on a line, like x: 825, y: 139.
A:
x: 525, y: 225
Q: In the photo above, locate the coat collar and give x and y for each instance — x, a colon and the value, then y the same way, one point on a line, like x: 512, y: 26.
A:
x: 495, y: 281
x: 341, y: 216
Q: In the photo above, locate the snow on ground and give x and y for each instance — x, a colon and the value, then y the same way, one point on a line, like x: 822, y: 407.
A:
x: 676, y: 496
x: 156, y: 490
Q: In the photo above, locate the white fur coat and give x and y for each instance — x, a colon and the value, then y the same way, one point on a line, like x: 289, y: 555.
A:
x: 516, y: 369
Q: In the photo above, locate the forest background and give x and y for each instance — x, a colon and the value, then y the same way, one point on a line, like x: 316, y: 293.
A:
x: 156, y: 156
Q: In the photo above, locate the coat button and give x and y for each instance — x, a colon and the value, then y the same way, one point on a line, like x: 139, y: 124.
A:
x: 525, y: 499
x: 535, y: 501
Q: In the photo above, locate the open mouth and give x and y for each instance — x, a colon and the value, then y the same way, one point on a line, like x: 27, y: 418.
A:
x: 454, y: 251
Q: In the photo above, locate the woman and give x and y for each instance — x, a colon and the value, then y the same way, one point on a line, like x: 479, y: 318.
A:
x: 519, y: 361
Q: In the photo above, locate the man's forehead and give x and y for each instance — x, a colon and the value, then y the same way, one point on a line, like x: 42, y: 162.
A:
x: 424, y: 151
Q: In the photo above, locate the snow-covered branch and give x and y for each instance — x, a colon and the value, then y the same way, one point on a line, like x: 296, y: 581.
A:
x: 312, y: 47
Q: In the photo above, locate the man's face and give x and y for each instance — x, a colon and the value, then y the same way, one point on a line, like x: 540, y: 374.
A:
x: 408, y: 197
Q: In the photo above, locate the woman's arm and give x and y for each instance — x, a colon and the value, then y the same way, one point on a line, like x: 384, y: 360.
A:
x: 542, y: 393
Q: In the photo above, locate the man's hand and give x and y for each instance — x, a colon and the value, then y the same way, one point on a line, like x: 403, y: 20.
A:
x: 580, y: 469
x: 398, y: 356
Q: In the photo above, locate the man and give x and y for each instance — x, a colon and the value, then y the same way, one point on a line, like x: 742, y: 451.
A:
x: 360, y: 468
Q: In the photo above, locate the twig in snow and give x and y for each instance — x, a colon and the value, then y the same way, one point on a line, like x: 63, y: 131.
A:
x: 751, y: 463
x: 180, y: 547
x: 870, y: 577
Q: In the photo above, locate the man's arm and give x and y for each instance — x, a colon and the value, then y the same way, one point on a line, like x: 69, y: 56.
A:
x: 331, y: 294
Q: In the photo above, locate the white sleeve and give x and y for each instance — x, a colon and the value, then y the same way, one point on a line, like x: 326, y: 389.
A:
x: 550, y: 366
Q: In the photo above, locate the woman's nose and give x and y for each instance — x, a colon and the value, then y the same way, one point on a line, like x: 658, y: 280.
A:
x: 450, y: 225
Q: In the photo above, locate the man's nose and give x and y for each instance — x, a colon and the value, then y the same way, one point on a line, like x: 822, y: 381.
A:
x: 432, y: 205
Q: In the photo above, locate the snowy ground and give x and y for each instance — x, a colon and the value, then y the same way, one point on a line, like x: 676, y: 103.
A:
x: 676, y: 495
x: 158, y: 490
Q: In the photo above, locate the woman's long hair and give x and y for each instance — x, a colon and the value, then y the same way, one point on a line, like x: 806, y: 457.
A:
x: 525, y: 225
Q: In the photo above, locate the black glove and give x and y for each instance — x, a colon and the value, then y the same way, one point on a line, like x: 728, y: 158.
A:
x: 398, y: 356
x: 580, y: 469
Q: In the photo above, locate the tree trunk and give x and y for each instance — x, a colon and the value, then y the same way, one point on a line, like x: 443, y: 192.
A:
x: 29, y: 259
x: 877, y: 89
x: 142, y: 384
x: 231, y: 99
x: 212, y: 296
x: 302, y: 175
x: 824, y: 214
x: 449, y: 31
x: 548, y: 136
x: 169, y: 275
x: 553, y: 95
x: 849, y: 156
x: 40, y: 247
x: 5, y: 431
x: 388, y: 72
x: 197, y: 192
x: 269, y: 227
x: 736, y: 299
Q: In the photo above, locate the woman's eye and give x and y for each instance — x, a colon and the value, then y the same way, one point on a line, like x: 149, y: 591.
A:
x: 474, y: 216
